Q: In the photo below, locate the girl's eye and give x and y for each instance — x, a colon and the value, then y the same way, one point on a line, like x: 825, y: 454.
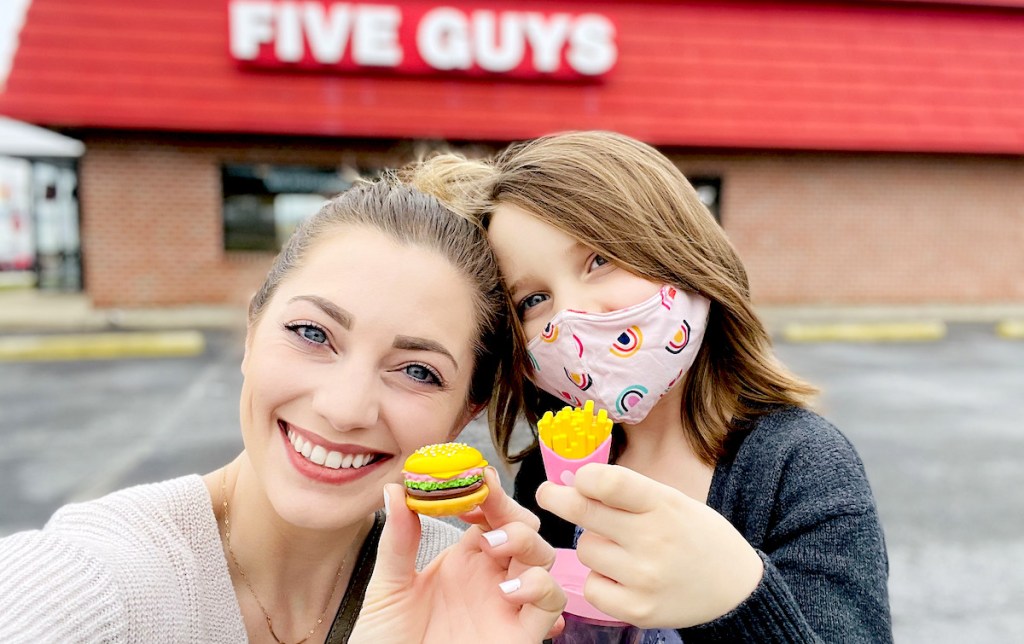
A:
x: 531, y: 301
x: 309, y: 333
x: 596, y: 262
x: 423, y: 373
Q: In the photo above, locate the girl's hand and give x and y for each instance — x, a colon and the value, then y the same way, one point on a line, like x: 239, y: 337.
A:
x: 473, y: 591
x: 658, y: 558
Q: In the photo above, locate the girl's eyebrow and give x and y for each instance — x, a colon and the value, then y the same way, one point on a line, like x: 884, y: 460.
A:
x: 517, y: 285
x: 422, y: 344
x: 338, y: 314
x: 575, y: 248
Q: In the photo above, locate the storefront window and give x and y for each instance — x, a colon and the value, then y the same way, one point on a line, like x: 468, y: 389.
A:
x: 39, y: 243
x: 709, y: 190
x: 264, y: 203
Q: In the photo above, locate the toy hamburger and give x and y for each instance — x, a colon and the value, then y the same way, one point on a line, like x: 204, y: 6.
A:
x: 444, y: 479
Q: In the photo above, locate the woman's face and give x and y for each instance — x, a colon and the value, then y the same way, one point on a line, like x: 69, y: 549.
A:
x: 363, y: 355
x: 548, y: 271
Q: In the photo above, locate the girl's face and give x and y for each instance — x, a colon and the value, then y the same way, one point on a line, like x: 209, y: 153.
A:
x: 363, y: 355
x: 548, y: 271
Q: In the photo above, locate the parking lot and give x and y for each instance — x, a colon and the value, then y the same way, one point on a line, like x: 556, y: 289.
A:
x: 938, y: 424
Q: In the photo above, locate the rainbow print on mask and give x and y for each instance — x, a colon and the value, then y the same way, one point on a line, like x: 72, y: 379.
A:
x: 533, y: 361
x: 579, y: 345
x: 628, y: 342
x: 671, y: 384
x: 680, y: 339
x: 550, y: 333
x: 668, y: 294
x: 581, y: 380
x: 573, y: 400
x: 629, y: 397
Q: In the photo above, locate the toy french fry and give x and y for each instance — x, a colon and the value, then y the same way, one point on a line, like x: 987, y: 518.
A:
x: 572, y: 438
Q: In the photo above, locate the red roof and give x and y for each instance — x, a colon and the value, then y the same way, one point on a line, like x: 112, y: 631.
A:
x: 887, y: 76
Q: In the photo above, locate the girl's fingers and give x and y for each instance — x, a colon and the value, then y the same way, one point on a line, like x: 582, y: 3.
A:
x: 587, y: 513
x: 615, y: 599
x: 618, y: 487
x: 609, y: 559
x: 542, y: 600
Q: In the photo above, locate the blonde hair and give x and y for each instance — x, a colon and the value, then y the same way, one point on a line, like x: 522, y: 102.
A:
x: 412, y: 217
x: 631, y: 204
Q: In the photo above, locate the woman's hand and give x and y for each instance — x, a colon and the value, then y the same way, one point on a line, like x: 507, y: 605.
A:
x: 492, y: 586
x: 658, y: 558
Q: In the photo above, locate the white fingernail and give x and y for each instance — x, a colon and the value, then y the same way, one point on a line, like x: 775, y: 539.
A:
x: 510, y: 586
x: 387, y: 502
x: 496, y: 537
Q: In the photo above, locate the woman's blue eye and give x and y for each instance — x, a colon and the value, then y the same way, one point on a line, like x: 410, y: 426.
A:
x: 597, y: 262
x: 309, y: 333
x: 422, y: 373
x: 531, y: 301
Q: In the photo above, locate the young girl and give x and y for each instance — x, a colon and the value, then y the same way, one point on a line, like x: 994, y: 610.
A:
x: 732, y: 512
x: 379, y: 329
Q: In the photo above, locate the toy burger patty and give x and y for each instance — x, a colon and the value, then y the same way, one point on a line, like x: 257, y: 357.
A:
x: 445, y: 479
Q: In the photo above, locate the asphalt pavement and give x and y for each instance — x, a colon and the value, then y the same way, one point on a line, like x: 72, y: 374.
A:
x: 937, y: 421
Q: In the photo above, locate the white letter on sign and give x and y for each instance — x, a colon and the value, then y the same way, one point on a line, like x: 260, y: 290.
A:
x: 375, y: 41
x: 288, y: 45
x: 327, y: 34
x: 251, y: 26
x: 494, y: 52
x: 592, y: 45
x: 443, y: 39
x: 546, y: 36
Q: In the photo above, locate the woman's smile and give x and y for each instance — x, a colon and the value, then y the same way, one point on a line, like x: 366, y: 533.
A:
x: 327, y: 462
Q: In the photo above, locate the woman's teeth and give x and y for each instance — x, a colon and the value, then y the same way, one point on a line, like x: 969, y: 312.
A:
x: 334, y: 460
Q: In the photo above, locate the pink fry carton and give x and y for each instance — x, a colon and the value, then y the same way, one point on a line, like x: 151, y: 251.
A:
x: 572, y: 438
x: 568, y: 441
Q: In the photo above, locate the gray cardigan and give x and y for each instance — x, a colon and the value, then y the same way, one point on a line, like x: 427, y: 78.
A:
x: 796, y: 490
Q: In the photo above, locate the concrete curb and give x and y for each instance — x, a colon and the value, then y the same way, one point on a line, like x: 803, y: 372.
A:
x: 865, y: 332
x: 29, y: 311
x: 1011, y: 329
x: 101, y: 346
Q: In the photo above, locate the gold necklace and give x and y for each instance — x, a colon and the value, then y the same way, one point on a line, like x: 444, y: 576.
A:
x: 248, y: 584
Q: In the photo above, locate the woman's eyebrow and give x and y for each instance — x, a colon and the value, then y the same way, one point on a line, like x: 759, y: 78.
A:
x: 422, y: 344
x: 338, y: 314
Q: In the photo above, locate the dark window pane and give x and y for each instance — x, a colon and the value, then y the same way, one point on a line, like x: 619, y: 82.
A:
x: 263, y: 203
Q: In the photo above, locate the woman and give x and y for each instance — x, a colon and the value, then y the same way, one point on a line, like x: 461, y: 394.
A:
x: 377, y: 331
x: 732, y: 512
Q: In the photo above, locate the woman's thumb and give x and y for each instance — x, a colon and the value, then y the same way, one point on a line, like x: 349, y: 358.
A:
x: 399, y: 541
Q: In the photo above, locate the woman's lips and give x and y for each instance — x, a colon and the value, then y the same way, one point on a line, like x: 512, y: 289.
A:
x: 323, y: 461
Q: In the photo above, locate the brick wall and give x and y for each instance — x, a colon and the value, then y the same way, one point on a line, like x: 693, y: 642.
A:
x: 811, y: 227
x: 151, y: 215
x: 874, y: 229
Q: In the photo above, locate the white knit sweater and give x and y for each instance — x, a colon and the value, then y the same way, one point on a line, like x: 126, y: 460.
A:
x: 143, y: 564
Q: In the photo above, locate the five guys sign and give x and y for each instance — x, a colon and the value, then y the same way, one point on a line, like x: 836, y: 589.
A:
x: 420, y: 38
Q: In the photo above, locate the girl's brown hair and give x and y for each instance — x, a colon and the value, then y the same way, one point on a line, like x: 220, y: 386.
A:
x: 631, y: 204
x: 412, y: 217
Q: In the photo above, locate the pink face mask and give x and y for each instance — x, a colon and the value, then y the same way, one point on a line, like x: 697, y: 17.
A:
x: 624, y: 361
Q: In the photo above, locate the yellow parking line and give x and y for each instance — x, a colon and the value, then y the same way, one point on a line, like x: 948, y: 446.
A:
x: 97, y: 346
x: 1012, y: 329
x: 865, y: 332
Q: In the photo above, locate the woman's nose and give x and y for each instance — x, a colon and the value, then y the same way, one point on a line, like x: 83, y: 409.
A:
x: 348, y: 398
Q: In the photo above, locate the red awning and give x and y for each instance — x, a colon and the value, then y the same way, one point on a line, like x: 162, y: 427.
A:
x: 910, y: 76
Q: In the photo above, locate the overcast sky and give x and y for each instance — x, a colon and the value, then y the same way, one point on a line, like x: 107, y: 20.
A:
x: 12, y: 14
